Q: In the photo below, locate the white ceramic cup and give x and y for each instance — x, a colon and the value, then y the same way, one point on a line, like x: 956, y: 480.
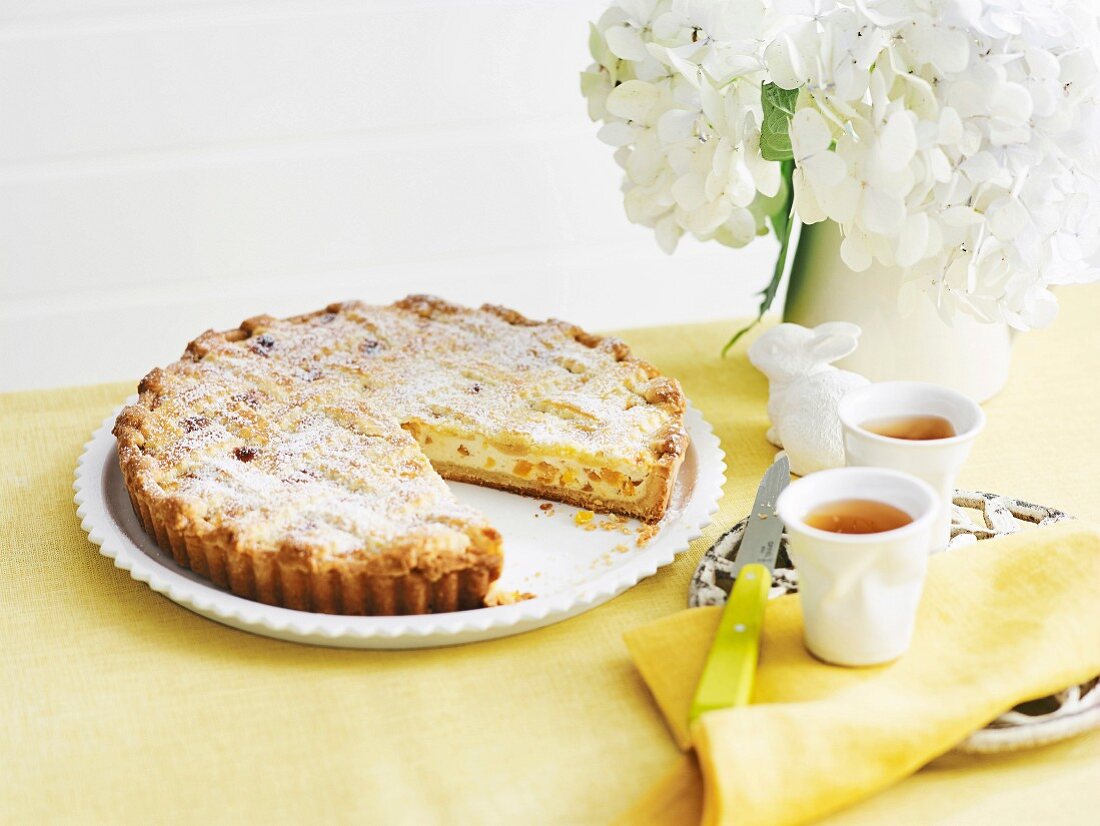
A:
x: 859, y: 592
x: 936, y: 461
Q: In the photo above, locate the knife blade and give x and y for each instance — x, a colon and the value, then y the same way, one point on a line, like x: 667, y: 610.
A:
x: 760, y: 542
x: 730, y: 669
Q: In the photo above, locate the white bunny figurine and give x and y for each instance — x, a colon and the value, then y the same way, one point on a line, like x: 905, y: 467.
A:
x: 804, y: 390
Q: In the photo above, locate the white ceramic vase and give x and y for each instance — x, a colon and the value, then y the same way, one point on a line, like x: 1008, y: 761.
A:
x: 969, y: 356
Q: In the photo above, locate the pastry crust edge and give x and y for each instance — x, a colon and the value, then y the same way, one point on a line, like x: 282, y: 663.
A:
x: 381, y: 583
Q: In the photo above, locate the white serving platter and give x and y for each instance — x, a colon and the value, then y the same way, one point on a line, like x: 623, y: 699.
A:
x: 570, y: 570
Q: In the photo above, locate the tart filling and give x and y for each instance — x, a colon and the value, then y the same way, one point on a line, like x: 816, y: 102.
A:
x: 615, y: 484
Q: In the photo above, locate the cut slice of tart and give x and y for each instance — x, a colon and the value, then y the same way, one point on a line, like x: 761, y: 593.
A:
x: 298, y: 461
x: 541, y: 409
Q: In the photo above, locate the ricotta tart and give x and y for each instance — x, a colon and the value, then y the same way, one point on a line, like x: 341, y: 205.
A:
x: 300, y: 461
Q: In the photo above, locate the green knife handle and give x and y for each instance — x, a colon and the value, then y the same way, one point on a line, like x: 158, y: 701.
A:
x: 730, y: 670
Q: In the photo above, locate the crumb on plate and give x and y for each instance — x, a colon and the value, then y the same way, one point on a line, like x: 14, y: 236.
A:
x: 497, y: 597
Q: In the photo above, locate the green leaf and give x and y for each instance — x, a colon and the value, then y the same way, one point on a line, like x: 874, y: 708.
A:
x: 782, y: 222
x: 775, y: 136
x: 775, y: 145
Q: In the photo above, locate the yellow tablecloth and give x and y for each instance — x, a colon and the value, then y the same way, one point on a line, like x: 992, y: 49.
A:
x: 120, y: 706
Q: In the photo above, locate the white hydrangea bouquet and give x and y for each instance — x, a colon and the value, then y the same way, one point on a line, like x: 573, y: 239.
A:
x: 959, y: 139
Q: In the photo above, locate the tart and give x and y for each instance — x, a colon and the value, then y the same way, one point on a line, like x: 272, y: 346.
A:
x: 301, y: 462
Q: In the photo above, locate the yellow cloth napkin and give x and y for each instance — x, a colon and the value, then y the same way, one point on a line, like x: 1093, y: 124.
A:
x: 1002, y: 622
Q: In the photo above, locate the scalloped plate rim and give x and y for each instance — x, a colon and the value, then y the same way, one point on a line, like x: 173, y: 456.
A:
x: 428, y: 630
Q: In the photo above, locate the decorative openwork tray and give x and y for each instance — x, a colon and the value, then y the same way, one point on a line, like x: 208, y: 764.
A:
x: 1034, y: 723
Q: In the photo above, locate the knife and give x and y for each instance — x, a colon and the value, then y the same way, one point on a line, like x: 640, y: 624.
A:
x: 730, y: 669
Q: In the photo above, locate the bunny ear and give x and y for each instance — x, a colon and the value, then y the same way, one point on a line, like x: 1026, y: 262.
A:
x: 838, y: 328
x: 834, y: 340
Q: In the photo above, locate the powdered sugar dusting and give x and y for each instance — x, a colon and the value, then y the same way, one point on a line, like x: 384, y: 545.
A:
x: 293, y: 434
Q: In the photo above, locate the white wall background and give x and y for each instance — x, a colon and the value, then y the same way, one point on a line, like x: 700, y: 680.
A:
x: 171, y: 166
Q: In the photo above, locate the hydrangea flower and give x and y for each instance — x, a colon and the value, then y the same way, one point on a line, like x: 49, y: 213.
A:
x: 954, y: 138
